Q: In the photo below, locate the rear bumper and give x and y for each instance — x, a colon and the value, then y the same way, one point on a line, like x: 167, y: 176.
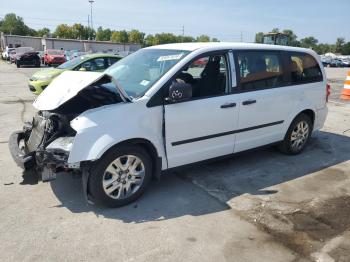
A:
x: 25, y: 161
x: 320, y: 118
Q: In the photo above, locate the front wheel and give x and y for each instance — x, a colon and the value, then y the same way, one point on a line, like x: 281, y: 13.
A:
x: 297, y: 135
x: 120, y: 176
x: 18, y: 64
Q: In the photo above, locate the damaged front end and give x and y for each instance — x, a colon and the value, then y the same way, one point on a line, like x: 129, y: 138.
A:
x: 44, y: 144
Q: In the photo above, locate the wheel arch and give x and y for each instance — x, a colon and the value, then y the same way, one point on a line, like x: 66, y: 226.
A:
x: 310, y: 113
x: 149, y: 147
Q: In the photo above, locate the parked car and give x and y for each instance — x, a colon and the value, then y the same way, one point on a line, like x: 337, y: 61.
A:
x: 19, y: 51
x: 54, y: 57
x: 6, y: 53
x: 154, y: 110
x: 335, y: 63
x: 28, y: 58
x: 96, y: 62
x: 345, y: 62
x: 12, y: 56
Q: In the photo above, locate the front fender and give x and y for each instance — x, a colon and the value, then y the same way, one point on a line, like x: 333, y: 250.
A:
x: 101, y: 128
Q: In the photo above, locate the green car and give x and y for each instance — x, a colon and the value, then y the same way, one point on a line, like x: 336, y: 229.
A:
x: 94, y: 62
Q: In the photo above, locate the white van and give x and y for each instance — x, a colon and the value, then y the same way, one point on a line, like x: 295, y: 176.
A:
x: 171, y: 105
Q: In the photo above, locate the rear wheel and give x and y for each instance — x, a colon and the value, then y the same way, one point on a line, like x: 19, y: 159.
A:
x: 297, y: 135
x: 120, y: 176
x: 18, y: 64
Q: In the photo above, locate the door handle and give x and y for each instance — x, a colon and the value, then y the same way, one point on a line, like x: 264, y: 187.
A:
x: 248, y: 102
x: 227, y: 105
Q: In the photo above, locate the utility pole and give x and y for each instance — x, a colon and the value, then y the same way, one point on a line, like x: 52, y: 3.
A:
x: 92, y: 26
x: 183, y: 33
x: 89, y: 26
x: 241, y: 36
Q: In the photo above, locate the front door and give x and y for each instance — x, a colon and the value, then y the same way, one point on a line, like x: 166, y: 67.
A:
x: 202, y: 127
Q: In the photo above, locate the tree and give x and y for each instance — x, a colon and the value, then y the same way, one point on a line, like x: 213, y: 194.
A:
x: 203, y: 38
x: 259, y: 37
x: 275, y: 30
x: 185, y: 39
x: 79, y: 31
x: 14, y: 25
x: 150, y: 40
x: 215, y: 39
x: 166, y: 38
x: 323, y: 48
x: 292, y: 38
x: 339, y: 44
x: 43, y: 32
x: 346, y: 49
x: 309, y: 42
x: 119, y: 36
x: 103, y: 34
x: 135, y: 36
x: 64, y: 31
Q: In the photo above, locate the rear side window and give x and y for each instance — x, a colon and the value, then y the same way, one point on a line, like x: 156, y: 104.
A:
x: 303, y: 68
x: 259, y: 70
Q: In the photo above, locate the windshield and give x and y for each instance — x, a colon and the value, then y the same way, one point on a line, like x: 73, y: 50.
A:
x: 137, y: 72
x: 22, y: 50
x: 55, y: 52
x: 71, y: 63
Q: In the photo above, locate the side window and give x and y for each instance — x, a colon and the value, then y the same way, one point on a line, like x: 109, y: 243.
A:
x: 93, y: 65
x: 259, y: 70
x: 208, y: 76
x: 303, y: 68
x: 100, y: 64
x: 111, y: 61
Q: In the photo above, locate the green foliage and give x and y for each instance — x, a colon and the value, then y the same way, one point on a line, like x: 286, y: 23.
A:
x: 203, y: 38
x: 120, y: 37
x: 339, y: 44
x: 309, y: 42
x: 43, y: 32
x: 135, y: 36
x: 292, y: 38
x: 76, y: 31
x: 103, y: 34
x: 14, y: 25
x: 259, y: 37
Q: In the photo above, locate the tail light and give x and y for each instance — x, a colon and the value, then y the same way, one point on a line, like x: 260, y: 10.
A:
x: 328, y: 91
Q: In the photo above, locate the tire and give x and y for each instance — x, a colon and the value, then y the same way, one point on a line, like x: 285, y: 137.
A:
x: 100, y: 180
x: 296, y: 144
x: 18, y: 64
x: 37, y: 63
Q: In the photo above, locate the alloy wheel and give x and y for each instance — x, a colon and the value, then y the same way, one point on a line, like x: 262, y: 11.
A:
x: 299, y: 135
x: 123, y: 177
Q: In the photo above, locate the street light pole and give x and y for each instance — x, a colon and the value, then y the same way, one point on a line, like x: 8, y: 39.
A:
x: 92, y: 27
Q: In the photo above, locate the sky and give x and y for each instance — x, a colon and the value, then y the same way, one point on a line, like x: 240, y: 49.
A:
x: 227, y: 20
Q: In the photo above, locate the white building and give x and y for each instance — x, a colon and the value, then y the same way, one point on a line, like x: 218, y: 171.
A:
x: 43, y: 43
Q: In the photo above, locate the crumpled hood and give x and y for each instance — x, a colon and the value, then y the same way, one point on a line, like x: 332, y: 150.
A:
x: 47, y: 72
x: 64, y: 87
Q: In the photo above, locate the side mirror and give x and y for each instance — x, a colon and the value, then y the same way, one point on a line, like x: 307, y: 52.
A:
x: 82, y: 69
x: 179, y: 92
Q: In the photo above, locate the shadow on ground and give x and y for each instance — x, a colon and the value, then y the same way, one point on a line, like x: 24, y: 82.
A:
x: 206, y: 188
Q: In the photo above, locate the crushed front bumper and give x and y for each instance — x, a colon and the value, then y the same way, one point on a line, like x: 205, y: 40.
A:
x: 22, y: 159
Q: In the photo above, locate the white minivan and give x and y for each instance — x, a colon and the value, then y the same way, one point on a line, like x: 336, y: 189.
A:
x: 171, y: 105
